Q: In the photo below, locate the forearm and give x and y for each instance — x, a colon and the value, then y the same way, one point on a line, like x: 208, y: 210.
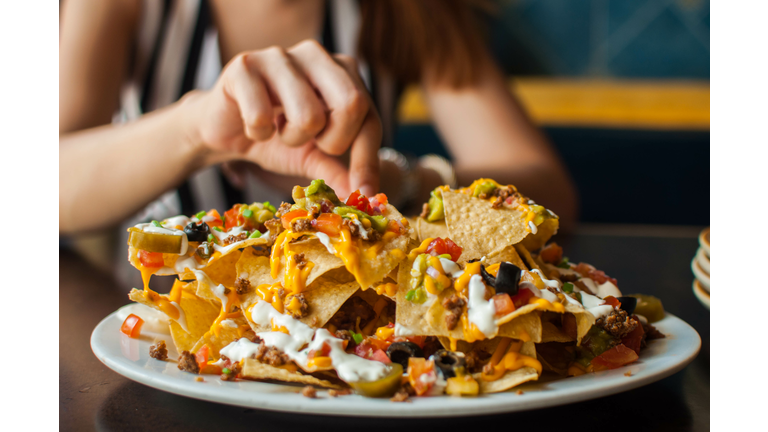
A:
x: 109, y: 172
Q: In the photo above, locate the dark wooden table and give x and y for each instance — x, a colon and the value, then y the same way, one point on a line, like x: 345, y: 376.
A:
x: 648, y: 260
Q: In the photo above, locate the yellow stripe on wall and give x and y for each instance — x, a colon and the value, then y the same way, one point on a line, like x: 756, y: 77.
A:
x: 669, y: 105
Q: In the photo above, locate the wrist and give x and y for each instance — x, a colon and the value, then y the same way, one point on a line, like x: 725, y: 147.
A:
x: 188, y: 112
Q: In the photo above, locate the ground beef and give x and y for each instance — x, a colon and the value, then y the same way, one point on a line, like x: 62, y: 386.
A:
x: 618, y: 323
x: 283, y: 209
x: 234, y: 370
x: 488, y: 369
x: 303, y: 308
x: 453, y: 305
x: 188, y: 363
x: 314, y: 212
x: 373, y: 236
x: 158, y: 351
x: 252, y: 336
x: 281, y: 293
x: 353, y: 308
x: 651, y: 333
x: 401, y: 395
x: 235, y: 238
x: 345, y: 335
x: 424, y: 211
x: 309, y: 392
x: 271, y: 356
x: 274, y: 226
x: 302, y: 225
x: 354, y: 230
x: 473, y: 361
x: 242, y: 285
x: 431, y: 346
x: 301, y: 260
x: 568, y: 277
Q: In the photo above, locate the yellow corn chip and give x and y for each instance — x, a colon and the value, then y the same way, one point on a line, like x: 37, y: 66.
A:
x: 226, y: 335
x: 427, y: 230
x: 544, y: 232
x: 255, y: 370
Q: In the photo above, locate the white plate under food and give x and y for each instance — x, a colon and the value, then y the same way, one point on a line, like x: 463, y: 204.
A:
x: 130, y: 358
x: 701, y: 293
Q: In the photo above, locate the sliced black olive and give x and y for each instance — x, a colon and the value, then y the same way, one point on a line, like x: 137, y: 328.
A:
x: 400, y: 352
x: 448, y: 362
x: 507, y: 279
x: 197, y: 232
x: 628, y: 304
x: 488, y: 278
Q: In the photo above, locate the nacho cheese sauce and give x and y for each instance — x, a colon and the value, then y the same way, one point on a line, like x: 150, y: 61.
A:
x: 349, y: 367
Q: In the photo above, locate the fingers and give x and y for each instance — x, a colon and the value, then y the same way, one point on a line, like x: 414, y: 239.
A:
x: 244, y: 85
x: 363, y: 157
x: 345, y: 98
x: 305, y: 113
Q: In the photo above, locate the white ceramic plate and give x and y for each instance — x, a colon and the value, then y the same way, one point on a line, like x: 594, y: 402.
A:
x: 701, y: 293
x: 130, y: 358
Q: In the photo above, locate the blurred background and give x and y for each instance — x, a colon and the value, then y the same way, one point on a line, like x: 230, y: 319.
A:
x: 622, y: 90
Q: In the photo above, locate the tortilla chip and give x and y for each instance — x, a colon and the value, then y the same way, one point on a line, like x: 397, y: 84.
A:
x: 480, y: 229
x: 255, y: 370
x: 226, y: 336
x: 511, y: 378
x: 427, y: 230
x: 527, y: 258
x: 544, y: 232
x: 325, y: 295
x: 508, y: 254
x: 198, y: 312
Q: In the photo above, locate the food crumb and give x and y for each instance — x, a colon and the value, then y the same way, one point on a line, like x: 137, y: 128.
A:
x: 199, y: 379
x: 628, y: 373
x: 519, y: 392
x: 309, y: 392
x: 401, y: 396
x: 336, y: 393
x: 158, y: 351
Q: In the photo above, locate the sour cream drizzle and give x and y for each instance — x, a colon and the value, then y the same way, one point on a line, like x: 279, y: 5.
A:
x: 326, y: 241
x: 350, y: 367
x: 479, y: 310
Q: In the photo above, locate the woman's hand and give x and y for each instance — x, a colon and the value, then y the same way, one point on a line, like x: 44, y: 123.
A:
x: 292, y: 112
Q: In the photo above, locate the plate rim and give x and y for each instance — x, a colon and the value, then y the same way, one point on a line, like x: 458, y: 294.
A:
x: 420, y: 408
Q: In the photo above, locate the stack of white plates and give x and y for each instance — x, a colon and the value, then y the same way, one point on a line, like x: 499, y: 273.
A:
x: 700, y: 267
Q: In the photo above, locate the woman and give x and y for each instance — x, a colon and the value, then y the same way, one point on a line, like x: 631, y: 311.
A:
x: 283, y: 102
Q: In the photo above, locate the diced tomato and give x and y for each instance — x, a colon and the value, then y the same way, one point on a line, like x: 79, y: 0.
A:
x: 417, y: 367
x: 381, y: 199
x: 132, y: 326
x: 439, y: 246
x: 634, y: 339
x: 615, y: 357
x: 365, y: 349
x: 291, y: 215
x: 360, y: 202
x: 418, y: 340
x: 216, y: 219
x: 600, y: 277
x: 324, y: 350
x: 613, y: 301
x: 201, y: 356
x: 552, y: 253
x: 151, y: 259
x: 380, y: 356
x: 521, y: 298
x: 328, y: 223
x: 503, y: 304
x: 233, y: 218
x: 569, y: 325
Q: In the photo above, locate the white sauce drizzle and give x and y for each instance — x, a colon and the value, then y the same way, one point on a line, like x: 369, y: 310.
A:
x: 363, y: 231
x: 450, y: 267
x: 182, y: 321
x: 350, y: 367
x: 608, y: 289
x: 326, y: 241
x: 402, y: 330
x: 533, y: 228
x: 185, y: 263
x: 480, y: 311
x: 548, y: 282
x: 229, y: 323
x: 154, y: 320
x: 595, y: 306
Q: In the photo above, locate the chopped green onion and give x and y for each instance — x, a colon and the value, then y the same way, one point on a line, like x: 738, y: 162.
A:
x: 446, y: 256
x: 568, y: 287
x: 200, y: 214
x: 226, y: 371
x: 211, y: 238
x: 247, y: 213
x: 409, y: 295
x: 417, y: 295
x: 157, y: 224
x: 255, y: 234
x: 564, y: 263
x: 218, y: 229
x: 578, y: 297
x: 270, y: 206
x: 357, y: 337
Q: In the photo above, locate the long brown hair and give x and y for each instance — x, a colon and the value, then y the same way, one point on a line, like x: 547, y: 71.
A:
x: 414, y: 39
